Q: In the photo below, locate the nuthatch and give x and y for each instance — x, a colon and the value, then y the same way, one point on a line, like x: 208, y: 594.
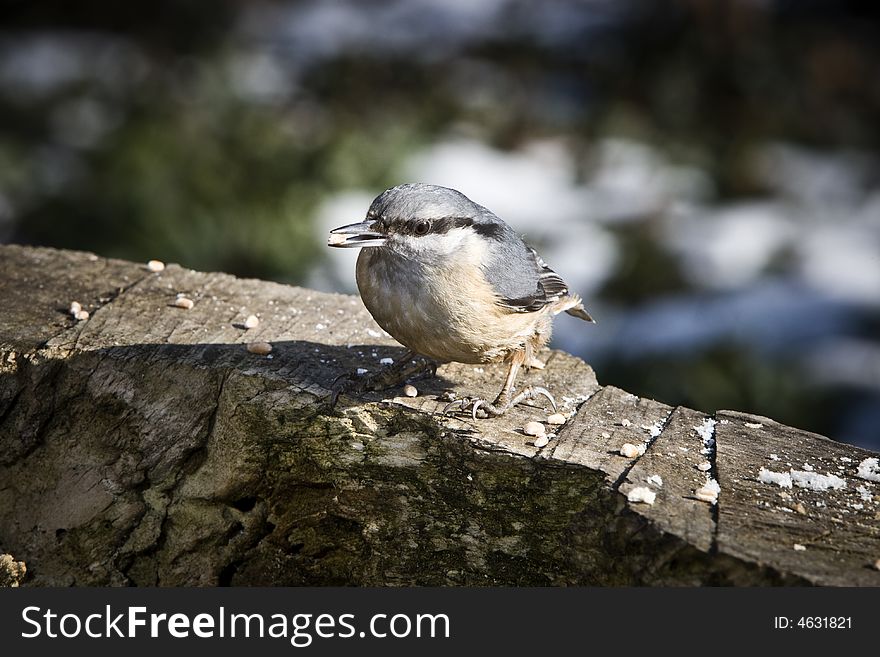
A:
x: 451, y: 281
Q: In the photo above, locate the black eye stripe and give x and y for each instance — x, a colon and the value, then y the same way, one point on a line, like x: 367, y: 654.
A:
x: 440, y: 226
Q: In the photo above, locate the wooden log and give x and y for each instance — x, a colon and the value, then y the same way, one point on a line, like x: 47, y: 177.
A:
x: 147, y: 446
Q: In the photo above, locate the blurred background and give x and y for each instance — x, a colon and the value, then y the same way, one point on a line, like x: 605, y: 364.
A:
x: 705, y: 173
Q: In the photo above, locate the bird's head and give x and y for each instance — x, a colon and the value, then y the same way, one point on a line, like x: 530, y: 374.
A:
x: 420, y: 221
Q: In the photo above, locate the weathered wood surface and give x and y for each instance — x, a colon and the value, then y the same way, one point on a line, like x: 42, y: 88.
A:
x: 147, y: 446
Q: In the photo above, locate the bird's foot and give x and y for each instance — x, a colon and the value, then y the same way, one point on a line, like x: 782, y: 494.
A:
x: 356, y: 383
x: 480, y: 408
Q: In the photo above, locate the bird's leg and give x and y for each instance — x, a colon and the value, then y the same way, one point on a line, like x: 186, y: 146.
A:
x: 503, y: 402
x: 504, y: 396
x: 409, y: 366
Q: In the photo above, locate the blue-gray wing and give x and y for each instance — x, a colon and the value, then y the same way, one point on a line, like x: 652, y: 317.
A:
x: 522, y: 281
x: 548, y: 288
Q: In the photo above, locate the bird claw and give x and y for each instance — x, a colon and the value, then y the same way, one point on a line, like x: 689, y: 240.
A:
x: 348, y: 383
x: 463, y: 405
x: 477, y: 404
x: 480, y: 408
x: 534, y: 391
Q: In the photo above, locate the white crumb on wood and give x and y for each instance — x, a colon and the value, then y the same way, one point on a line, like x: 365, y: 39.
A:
x: 373, y: 334
x: 625, y: 423
x: 631, y: 451
x: 541, y: 441
x: 706, y: 429
x: 866, y: 495
x: 386, y: 361
x: 706, y: 432
x: 184, y: 302
x: 656, y: 480
x: 799, y: 548
x: 155, y: 265
x: 653, y: 430
x: 774, y: 457
x: 361, y: 371
x: 82, y: 315
x: 808, y: 467
x: 410, y: 390
x: 754, y: 425
x: 641, y: 494
x: 869, y: 469
x: 846, y: 459
x: 606, y: 435
x: 75, y: 307
x: 252, y: 321
x: 782, y: 479
x: 705, y: 466
x: 816, y: 481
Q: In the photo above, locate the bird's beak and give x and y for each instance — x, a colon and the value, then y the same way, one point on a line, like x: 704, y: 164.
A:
x: 356, y: 235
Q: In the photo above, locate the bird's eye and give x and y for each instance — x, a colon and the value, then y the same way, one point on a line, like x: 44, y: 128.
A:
x: 422, y: 227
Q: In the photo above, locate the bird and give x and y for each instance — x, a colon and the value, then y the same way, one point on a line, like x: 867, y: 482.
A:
x: 453, y: 282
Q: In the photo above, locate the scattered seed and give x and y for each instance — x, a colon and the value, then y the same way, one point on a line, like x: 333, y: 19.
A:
x: 155, y: 265
x: 656, y: 480
x: 541, y: 441
x: 754, y: 425
x: 82, y: 315
x: 705, y: 466
x: 625, y: 423
x: 707, y: 494
x: 556, y: 419
x: 252, y: 322
x: 606, y: 435
x: 183, y: 302
x: 800, y: 508
x: 534, y: 429
x: 75, y: 308
x: 259, y: 348
x: 410, y: 390
x: 799, y: 548
x: 386, y: 361
x: 641, y: 494
x: 877, y: 565
x: 631, y: 451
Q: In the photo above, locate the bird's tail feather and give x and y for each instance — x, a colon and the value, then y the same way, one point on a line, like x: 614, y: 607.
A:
x: 578, y: 311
